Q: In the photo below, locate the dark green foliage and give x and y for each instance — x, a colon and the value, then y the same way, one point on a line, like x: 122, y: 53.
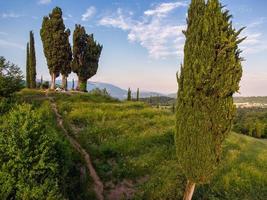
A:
x: 10, y: 78
x: 209, y: 77
x: 129, y: 94
x: 137, y: 95
x: 66, y: 67
x: 86, y: 53
x: 32, y: 62
x: 28, y: 67
x: 56, y: 45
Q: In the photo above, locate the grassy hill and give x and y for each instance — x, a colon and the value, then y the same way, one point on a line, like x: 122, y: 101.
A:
x: 132, y: 148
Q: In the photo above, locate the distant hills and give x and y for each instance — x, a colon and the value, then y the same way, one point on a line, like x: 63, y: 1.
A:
x: 113, y: 90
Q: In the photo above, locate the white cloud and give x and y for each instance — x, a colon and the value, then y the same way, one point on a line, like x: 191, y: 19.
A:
x: 10, y: 15
x: 160, y: 37
x: 256, y: 23
x: 5, y: 43
x: 45, y: 2
x: 89, y: 13
x: 164, y: 8
x: 255, y: 41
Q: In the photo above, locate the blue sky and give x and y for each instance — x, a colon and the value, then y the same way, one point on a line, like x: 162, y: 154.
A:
x: 143, y: 43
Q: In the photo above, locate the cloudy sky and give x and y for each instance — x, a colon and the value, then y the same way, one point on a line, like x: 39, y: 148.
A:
x: 143, y: 43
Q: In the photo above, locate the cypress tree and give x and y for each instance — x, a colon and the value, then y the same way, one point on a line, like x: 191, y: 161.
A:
x: 41, y: 84
x: 55, y: 44
x: 28, y: 67
x: 129, y: 95
x: 86, y: 53
x: 32, y: 62
x: 209, y: 77
x: 66, y: 67
x: 72, y: 84
x: 137, y: 95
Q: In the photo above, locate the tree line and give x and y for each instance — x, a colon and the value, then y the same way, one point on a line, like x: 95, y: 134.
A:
x: 82, y: 58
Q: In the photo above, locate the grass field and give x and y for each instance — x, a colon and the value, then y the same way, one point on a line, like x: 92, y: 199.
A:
x: 132, y: 148
x: 131, y: 142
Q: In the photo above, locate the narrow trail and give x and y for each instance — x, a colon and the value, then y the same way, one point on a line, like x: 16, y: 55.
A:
x: 98, y: 185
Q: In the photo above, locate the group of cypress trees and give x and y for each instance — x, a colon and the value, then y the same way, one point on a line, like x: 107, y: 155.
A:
x: 84, y: 58
x: 129, y: 94
x: 209, y: 77
x: 31, y: 63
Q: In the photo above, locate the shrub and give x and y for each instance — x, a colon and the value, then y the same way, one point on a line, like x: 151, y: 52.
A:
x: 10, y: 78
x: 31, y: 156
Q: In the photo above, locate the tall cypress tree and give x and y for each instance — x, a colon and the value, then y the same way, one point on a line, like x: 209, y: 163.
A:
x: 129, y: 94
x: 28, y: 81
x: 137, y: 95
x: 55, y: 44
x: 209, y: 77
x: 32, y: 62
x: 86, y: 53
x: 72, y: 87
x: 66, y: 67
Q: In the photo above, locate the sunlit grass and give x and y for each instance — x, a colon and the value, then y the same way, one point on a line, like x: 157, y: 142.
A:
x: 130, y: 140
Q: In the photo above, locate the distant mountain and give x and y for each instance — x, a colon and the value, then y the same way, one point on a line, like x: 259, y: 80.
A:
x: 172, y: 95
x: 113, y: 90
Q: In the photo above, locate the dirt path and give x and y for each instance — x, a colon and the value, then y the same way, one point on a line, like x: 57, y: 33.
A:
x: 98, y: 185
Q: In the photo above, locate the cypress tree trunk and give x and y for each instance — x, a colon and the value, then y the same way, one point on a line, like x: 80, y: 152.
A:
x: 64, y: 82
x: 189, y: 190
x: 53, y: 81
x: 81, y: 84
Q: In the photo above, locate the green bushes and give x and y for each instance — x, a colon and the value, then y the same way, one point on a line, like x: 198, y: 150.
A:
x: 36, y: 161
x: 30, y: 162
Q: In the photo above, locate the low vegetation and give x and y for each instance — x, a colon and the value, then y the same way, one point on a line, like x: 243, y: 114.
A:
x: 36, y: 160
x: 133, y: 150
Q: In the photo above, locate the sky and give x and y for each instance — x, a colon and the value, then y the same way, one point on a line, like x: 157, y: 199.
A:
x: 142, y: 39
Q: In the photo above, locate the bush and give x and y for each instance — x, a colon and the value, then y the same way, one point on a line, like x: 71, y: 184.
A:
x: 10, y: 78
x: 31, y: 156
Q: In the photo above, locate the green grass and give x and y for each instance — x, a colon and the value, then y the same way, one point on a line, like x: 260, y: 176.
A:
x: 132, y: 141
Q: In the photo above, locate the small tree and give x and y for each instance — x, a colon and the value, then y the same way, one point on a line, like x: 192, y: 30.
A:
x: 41, y: 84
x: 86, y: 53
x: 10, y: 78
x: 129, y: 95
x: 137, y: 95
x: 209, y: 77
x: 72, y: 84
x: 55, y: 44
x: 32, y: 62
